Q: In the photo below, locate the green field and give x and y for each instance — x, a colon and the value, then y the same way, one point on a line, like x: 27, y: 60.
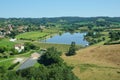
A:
x: 6, y: 43
x: 60, y: 47
x: 35, y: 35
x: 6, y: 63
x: 52, y: 30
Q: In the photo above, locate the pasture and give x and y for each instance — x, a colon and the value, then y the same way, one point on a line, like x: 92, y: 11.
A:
x: 96, y: 62
x: 34, y: 35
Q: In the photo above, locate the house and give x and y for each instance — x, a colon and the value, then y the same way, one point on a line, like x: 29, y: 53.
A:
x: 10, y: 27
x: 19, y: 47
x: 1, y: 37
x: 21, y: 29
x: 12, y: 40
x: 42, y: 27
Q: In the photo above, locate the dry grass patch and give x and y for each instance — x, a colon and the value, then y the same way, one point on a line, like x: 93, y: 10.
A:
x: 96, y: 62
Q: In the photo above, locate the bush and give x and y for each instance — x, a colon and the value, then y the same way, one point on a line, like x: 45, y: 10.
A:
x: 13, y: 66
x: 29, y: 46
x: 51, y: 56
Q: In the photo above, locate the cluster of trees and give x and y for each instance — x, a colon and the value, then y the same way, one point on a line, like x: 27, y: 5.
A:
x: 114, y: 35
x: 30, y: 46
x: 114, y: 38
x: 94, y: 37
x: 93, y: 34
x: 5, y: 52
x: 52, y: 67
x: 38, y: 21
x: 67, y: 23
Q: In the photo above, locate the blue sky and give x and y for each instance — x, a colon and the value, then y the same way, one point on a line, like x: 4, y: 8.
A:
x: 57, y: 8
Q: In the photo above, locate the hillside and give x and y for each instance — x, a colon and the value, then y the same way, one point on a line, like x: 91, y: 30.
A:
x: 96, y: 62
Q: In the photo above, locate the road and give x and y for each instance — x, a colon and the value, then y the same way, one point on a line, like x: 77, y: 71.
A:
x: 28, y: 63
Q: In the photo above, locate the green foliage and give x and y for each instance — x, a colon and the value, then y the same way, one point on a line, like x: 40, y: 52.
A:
x: 55, y: 69
x: 114, y: 36
x: 72, y: 49
x: 50, y: 57
x: 52, y: 72
x: 13, y: 66
x: 2, y: 69
x: 29, y: 46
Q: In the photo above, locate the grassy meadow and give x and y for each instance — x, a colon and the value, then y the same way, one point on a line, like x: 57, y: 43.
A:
x: 6, y: 63
x: 6, y: 43
x: 96, y: 62
x: 34, y: 35
x: 60, y: 47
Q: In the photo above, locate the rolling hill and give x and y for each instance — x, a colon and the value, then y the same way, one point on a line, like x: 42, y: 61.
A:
x: 96, y: 62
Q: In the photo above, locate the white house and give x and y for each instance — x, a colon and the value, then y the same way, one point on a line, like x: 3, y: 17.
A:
x: 19, y: 47
x: 12, y: 40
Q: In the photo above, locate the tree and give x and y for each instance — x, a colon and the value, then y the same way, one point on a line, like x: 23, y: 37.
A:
x: 50, y: 57
x: 72, y: 49
x: 29, y: 46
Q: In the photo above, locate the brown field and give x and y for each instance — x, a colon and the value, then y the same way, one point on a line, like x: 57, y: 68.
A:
x: 96, y: 62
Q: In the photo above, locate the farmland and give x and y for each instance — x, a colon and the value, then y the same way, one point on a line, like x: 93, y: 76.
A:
x: 35, y: 35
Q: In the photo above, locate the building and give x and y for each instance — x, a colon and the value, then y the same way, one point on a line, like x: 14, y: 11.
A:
x: 42, y: 27
x: 10, y: 27
x: 1, y: 37
x: 19, y: 47
x: 12, y: 40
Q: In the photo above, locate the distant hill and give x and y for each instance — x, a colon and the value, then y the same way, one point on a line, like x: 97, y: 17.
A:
x: 45, y: 20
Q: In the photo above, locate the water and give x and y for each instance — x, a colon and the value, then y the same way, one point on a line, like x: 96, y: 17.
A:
x: 67, y: 38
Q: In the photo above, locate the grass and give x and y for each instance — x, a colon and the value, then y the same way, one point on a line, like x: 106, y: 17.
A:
x: 7, y: 63
x: 37, y: 64
x: 60, y: 47
x: 96, y: 62
x: 35, y: 35
x: 6, y: 43
x: 52, y: 30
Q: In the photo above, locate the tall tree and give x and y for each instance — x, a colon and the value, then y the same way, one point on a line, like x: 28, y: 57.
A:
x: 72, y: 49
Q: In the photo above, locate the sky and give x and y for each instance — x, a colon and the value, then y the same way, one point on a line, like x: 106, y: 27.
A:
x: 59, y: 8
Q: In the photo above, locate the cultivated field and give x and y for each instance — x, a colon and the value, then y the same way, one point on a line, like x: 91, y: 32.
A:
x: 35, y: 35
x: 96, y: 63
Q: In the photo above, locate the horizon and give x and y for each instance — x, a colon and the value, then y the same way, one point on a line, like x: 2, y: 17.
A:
x: 40, y: 8
x: 65, y: 16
